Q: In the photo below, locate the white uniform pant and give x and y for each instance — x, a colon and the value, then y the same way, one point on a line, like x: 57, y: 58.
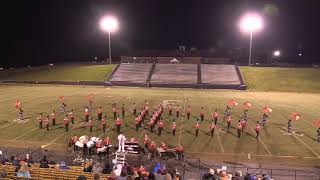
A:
x: 121, y: 147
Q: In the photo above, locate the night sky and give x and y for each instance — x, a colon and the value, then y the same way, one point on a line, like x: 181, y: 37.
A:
x: 42, y: 31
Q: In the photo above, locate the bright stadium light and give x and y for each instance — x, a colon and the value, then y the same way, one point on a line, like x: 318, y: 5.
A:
x: 251, y: 23
x: 109, y: 24
x: 276, y: 53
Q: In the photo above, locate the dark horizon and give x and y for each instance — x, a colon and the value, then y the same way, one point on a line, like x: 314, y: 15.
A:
x: 39, y: 32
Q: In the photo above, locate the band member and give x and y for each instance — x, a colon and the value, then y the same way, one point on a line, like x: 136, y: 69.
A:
x: 86, y: 114
x: 152, y: 148
x: 229, y: 121
x: 161, y: 125
x: 239, y: 128
x: 264, y: 119
x: 146, y: 107
x: 164, y: 146
x: 289, y: 126
x: 197, y: 127
x: 114, y: 110
x: 245, y: 114
x: 257, y: 129
x: 170, y: 109
x: 174, y: 126
x: 20, y: 114
x: 177, y: 111
x: 46, y: 121
x: 137, y: 122
x: 215, y: 116
x: 146, y: 141
x: 40, y: 119
x: 90, y: 124
x: 179, y: 151
x: 53, y: 117
x: 63, y: 108
x: 73, y: 141
x: 104, y: 123
x: 122, y: 110
x: 188, y: 112
x: 212, y: 128
x: 99, y: 113
x: 202, y: 114
x: 121, y: 139
x: 118, y: 124
x: 152, y: 124
x: 227, y: 111
x: 243, y: 123
x: 66, y: 123
x: 133, y: 140
x: 134, y: 109
x: 71, y: 114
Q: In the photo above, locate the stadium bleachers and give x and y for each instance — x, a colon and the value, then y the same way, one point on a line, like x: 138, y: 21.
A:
x: 176, y: 74
x: 131, y: 73
x: 219, y: 74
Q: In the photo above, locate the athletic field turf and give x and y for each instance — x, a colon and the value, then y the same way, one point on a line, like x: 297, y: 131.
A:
x: 274, y: 142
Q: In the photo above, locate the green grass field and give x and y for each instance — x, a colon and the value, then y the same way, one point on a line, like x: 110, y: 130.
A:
x: 273, y: 141
x: 282, y: 79
x: 59, y: 73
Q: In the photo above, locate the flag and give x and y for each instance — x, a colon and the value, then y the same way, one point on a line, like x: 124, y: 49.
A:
x: 17, y: 104
x: 267, y: 109
x: 61, y: 98
x: 317, y: 122
x: 247, y: 104
x: 233, y: 102
x: 295, y: 116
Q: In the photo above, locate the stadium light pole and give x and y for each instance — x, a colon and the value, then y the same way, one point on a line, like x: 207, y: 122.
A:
x: 109, y: 24
x: 251, y: 23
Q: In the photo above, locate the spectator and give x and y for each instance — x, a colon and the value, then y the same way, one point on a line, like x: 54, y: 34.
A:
x: 265, y: 177
x: 223, y: 175
x: 29, y: 159
x: 152, y: 177
x: 97, y: 168
x: 107, y: 169
x: 3, y: 174
x: 96, y: 176
x: 44, y: 162
x: 63, y: 166
x: 130, y: 171
x: 24, y: 171
x: 16, y: 161
x: 123, y: 176
x: 238, y: 176
x: 88, y: 167
x: 82, y: 177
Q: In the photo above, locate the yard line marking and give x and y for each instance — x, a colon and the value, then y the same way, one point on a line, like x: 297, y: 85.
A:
x: 318, y: 156
x: 221, y: 147
x: 235, y: 154
x: 7, y: 125
x: 55, y: 139
x: 264, y: 145
x: 182, y: 117
x: 20, y: 136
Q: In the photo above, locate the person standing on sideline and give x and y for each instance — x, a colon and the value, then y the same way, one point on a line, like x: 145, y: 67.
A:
x: 121, y: 139
x: 66, y: 123
x: 40, y: 119
x: 134, y: 109
x: 197, y: 127
x: 174, y: 126
x: 104, y: 123
x: 53, y: 117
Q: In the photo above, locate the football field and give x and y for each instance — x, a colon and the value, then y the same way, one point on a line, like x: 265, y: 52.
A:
x: 274, y: 142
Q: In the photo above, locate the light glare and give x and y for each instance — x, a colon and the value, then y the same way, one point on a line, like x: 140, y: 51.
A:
x: 276, y: 53
x: 109, y: 24
x: 251, y: 23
